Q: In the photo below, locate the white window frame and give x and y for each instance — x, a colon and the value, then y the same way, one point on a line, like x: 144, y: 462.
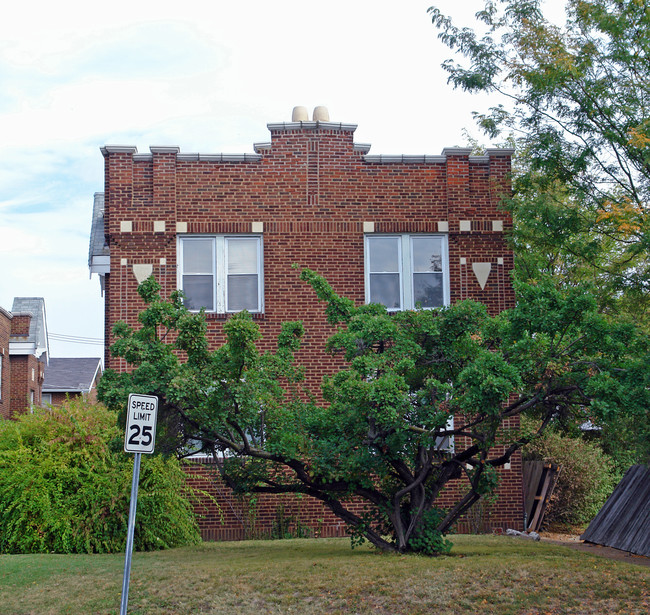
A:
x: 1, y: 357
x: 405, y: 257
x: 446, y: 443
x: 219, y: 271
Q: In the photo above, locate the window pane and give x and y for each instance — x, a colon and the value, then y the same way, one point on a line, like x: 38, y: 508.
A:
x: 384, y: 288
x: 242, y: 293
x: 383, y: 253
x: 427, y: 290
x: 427, y: 253
x: 198, y: 292
x: 446, y: 443
x: 197, y: 256
x: 242, y: 255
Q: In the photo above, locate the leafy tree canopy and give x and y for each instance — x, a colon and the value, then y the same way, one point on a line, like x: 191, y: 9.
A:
x: 381, y: 431
x: 576, y: 103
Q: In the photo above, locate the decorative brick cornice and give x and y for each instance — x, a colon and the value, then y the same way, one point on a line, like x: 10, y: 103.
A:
x: 404, y: 159
x: 457, y: 151
x: 295, y: 126
x: 230, y: 157
x: 499, y: 151
x: 362, y: 148
x: 118, y: 149
x: 164, y: 149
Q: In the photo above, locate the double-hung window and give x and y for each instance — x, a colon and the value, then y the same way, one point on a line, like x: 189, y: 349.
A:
x: 407, y: 271
x: 221, y: 273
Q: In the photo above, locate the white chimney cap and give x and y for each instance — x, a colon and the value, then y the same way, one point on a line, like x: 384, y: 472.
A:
x: 300, y: 114
x: 321, y: 114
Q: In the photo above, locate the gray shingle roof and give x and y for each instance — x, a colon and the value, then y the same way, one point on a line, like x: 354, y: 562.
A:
x: 98, y: 246
x: 71, y: 374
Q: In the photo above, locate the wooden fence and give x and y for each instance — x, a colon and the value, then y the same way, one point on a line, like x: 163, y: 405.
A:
x: 539, y: 481
x: 624, y: 521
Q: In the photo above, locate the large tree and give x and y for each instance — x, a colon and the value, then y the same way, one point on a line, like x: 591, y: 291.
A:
x: 575, y: 98
x: 382, y: 431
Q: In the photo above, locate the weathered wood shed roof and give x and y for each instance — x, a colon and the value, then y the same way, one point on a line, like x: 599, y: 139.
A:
x: 624, y: 521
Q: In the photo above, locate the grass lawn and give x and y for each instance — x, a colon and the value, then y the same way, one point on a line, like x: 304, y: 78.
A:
x: 484, y: 574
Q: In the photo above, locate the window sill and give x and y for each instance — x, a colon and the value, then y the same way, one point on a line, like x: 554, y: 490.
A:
x: 226, y: 316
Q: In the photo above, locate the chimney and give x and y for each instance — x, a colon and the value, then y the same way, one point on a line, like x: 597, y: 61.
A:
x: 300, y: 114
x: 321, y: 114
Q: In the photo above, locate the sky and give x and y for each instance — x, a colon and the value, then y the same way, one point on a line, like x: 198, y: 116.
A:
x: 207, y: 76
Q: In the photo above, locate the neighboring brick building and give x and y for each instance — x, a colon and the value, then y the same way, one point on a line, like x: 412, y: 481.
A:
x: 69, y: 378
x: 5, y: 365
x: 227, y: 228
x: 24, y: 354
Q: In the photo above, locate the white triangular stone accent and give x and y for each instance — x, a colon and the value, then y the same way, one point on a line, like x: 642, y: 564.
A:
x: 142, y: 272
x: 482, y: 272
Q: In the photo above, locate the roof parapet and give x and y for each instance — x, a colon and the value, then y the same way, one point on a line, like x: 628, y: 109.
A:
x: 318, y: 125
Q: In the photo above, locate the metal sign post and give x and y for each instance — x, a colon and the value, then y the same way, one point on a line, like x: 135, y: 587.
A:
x: 140, y: 437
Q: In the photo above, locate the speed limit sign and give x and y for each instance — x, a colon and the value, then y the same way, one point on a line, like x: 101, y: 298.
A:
x: 140, y: 437
x: 141, y: 415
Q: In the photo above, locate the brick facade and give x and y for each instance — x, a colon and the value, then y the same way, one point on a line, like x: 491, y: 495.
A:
x: 22, y: 364
x: 26, y: 383
x: 59, y: 398
x: 5, y: 363
x: 312, y: 195
x: 224, y: 516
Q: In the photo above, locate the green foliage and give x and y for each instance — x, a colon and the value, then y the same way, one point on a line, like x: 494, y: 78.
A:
x: 65, y: 486
x: 287, y: 524
x: 575, y: 97
x: 428, y: 539
x: 587, y: 477
x: 379, y: 433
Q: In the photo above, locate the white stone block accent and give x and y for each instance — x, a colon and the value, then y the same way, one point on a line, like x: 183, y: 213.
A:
x: 124, y: 262
x: 500, y: 260
x: 126, y: 226
x: 159, y: 226
x: 465, y: 225
x: 497, y: 225
x: 257, y: 227
x: 163, y: 261
x: 463, y: 260
x: 443, y: 226
x: 181, y: 227
x: 368, y: 227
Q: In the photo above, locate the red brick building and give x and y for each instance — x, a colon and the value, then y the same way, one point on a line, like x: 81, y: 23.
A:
x: 226, y: 229
x: 24, y: 354
x: 5, y: 365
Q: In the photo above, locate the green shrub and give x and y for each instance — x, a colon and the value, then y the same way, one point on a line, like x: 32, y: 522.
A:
x: 65, y: 484
x: 587, y: 478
